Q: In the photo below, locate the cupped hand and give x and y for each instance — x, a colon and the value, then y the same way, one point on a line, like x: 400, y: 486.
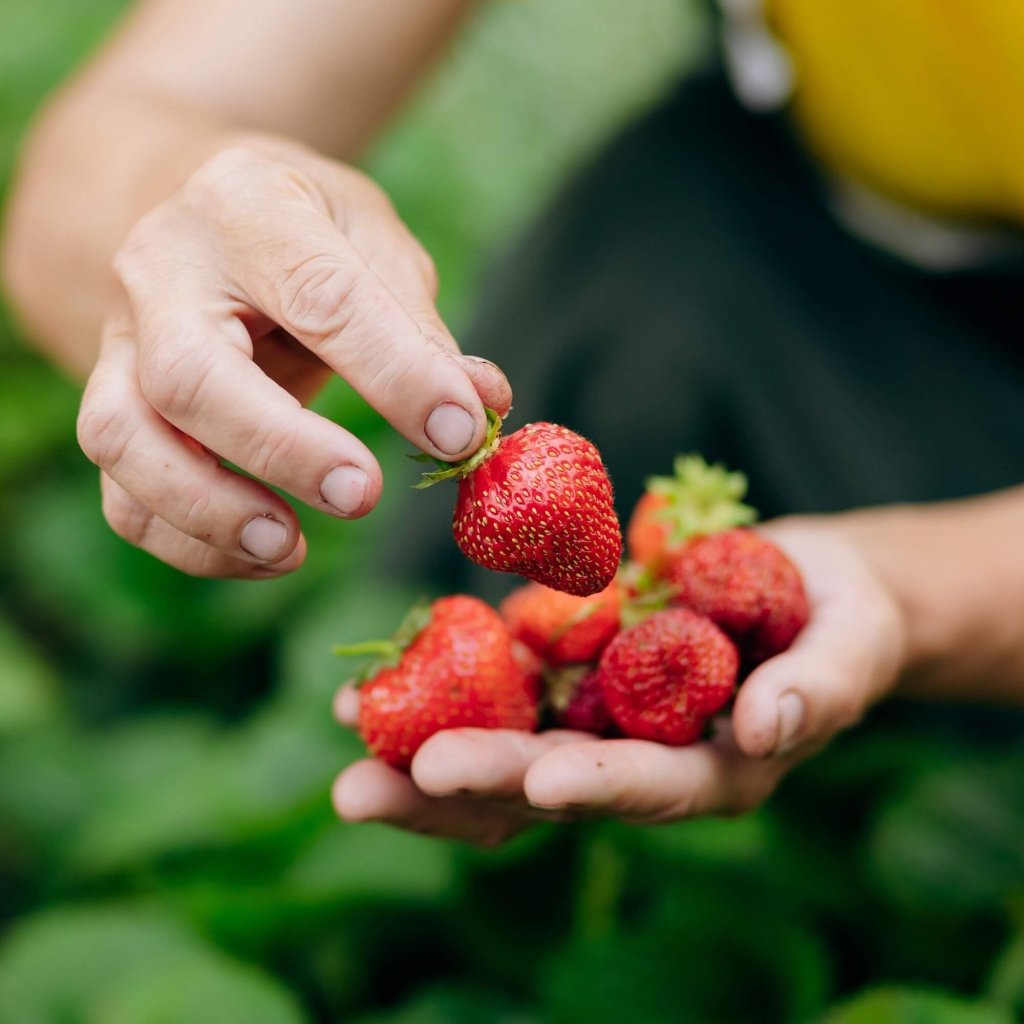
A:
x: 484, y: 786
x: 270, y: 269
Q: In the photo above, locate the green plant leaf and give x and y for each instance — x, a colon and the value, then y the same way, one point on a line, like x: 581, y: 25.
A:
x: 28, y: 684
x: 197, y: 989
x: 1005, y: 987
x: 56, y: 965
x: 955, y: 839
x: 913, y: 1006
x: 367, y: 862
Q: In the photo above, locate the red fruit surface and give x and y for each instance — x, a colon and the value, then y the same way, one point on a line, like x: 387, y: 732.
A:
x: 663, y: 679
x: 562, y: 628
x: 540, y: 505
x: 647, y: 533
x: 460, y: 670
x: 577, y: 701
x: 746, y: 585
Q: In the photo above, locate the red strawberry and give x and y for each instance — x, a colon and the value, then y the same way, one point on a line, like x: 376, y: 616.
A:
x: 698, y: 499
x: 561, y: 628
x: 663, y: 679
x: 577, y: 700
x: 746, y: 585
x: 537, y: 502
x: 456, y: 668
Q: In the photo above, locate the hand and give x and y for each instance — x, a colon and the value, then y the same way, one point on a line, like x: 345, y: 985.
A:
x: 484, y: 786
x: 268, y: 270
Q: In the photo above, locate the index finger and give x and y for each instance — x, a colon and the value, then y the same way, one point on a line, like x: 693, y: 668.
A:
x: 313, y: 282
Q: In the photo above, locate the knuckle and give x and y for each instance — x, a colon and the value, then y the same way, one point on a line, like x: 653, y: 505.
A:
x: 104, y: 432
x: 173, y: 379
x: 275, y: 449
x: 195, y: 516
x: 366, y: 193
x: 128, y: 518
x: 219, y: 180
x: 137, y: 252
x: 319, y: 296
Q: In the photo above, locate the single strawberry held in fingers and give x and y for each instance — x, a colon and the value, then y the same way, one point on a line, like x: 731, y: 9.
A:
x: 666, y: 677
x: 745, y: 585
x: 451, y: 664
x: 537, y: 502
x: 562, y: 628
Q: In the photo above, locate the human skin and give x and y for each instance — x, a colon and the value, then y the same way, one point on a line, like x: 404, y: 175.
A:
x: 209, y: 271
x: 185, y: 232
x: 917, y: 601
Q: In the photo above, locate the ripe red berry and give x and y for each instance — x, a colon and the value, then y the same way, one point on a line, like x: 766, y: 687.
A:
x: 664, y: 678
x: 561, y: 628
x: 744, y: 584
x: 539, y: 503
x: 696, y: 499
x: 576, y: 699
x: 458, y: 668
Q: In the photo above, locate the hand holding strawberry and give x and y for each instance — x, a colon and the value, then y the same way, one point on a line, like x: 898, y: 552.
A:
x: 483, y: 786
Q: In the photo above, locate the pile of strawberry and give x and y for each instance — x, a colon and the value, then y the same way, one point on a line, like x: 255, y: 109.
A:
x: 651, y: 649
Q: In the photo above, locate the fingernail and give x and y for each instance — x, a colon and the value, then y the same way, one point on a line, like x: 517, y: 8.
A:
x: 480, y: 361
x: 263, y: 537
x: 791, y: 718
x: 344, y: 487
x: 450, y: 428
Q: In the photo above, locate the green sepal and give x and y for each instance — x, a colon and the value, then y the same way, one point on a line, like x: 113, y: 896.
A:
x: 388, y: 653
x: 647, y: 594
x: 702, y: 499
x: 457, y: 470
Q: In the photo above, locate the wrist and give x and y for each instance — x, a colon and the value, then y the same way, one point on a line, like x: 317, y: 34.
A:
x: 959, y: 586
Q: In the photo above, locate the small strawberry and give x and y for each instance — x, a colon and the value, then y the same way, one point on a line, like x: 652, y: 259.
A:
x: 539, y: 503
x: 698, y: 499
x: 745, y: 585
x: 576, y: 699
x: 559, y: 627
x: 663, y: 679
x: 450, y: 665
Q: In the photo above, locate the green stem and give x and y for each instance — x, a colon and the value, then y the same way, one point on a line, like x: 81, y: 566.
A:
x: 384, y: 648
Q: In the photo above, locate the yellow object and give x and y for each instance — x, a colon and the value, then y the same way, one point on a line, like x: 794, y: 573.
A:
x: 921, y: 100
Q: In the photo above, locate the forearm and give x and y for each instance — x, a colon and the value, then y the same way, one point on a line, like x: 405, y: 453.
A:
x: 957, y: 571
x: 96, y: 163
x: 179, y: 81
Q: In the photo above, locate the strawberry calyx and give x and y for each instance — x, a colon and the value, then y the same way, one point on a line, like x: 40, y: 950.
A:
x: 387, y: 653
x: 643, y: 594
x: 701, y: 498
x: 457, y: 470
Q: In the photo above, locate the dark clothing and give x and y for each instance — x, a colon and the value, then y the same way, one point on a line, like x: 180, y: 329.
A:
x: 690, y: 291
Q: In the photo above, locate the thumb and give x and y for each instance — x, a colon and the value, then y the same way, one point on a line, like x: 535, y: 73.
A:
x: 845, y: 659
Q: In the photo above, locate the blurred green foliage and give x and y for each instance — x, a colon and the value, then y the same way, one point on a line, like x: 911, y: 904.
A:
x: 167, y: 849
